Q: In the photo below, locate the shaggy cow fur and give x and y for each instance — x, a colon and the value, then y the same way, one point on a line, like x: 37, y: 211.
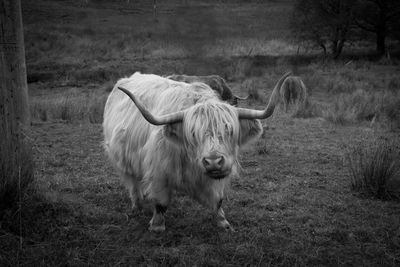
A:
x: 293, y: 90
x: 155, y: 161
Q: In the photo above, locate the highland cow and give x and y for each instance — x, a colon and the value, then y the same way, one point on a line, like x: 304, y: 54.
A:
x: 165, y: 136
x: 293, y: 91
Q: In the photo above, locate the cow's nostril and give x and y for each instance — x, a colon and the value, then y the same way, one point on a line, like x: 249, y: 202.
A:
x: 220, y: 161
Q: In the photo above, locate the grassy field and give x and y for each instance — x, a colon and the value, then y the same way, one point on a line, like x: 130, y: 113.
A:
x: 293, y: 205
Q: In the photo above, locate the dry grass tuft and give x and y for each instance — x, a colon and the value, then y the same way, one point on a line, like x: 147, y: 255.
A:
x: 234, y: 46
x: 308, y: 109
x: 339, y: 85
x: 364, y: 106
x: 69, y: 107
x: 375, y: 169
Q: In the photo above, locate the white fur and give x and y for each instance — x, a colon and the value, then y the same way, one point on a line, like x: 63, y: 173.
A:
x: 293, y: 90
x: 141, y: 151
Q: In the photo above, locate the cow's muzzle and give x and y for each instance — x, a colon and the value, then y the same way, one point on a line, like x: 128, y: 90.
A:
x: 215, y: 166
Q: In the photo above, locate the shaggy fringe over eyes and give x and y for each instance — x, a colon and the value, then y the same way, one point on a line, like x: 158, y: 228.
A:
x: 213, y: 119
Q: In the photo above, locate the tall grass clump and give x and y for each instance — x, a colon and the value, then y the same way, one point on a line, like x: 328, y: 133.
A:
x: 338, y: 78
x: 314, y: 81
x: 364, y: 106
x: 353, y: 107
x: 69, y: 107
x: 375, y: 169
x: 338, y: 84
x: 307, y: 109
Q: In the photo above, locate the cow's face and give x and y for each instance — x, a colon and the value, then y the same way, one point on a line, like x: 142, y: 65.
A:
x: 211, y: 133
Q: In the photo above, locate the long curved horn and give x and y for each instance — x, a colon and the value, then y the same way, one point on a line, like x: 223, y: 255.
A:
x: 245, y: 113
x: 156, y: 120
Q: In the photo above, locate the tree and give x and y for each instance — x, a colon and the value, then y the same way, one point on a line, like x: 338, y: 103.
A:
x: 326, y: 24
x: 16, y: 169
x: 380, y: 17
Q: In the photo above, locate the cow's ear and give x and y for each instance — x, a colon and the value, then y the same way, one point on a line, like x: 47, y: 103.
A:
x: 249, y: 131
x: 174, y: 132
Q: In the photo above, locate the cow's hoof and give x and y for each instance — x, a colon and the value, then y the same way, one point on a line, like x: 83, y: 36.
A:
x: 157, y: 228
x: 224, y: 224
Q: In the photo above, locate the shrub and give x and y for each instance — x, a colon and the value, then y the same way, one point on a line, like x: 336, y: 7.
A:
x: 375, y: 169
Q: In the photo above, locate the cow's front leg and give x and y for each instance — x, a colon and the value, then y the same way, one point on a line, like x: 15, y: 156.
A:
x: 161, y: 201
x: 220, y: 217
x: 135, y: 193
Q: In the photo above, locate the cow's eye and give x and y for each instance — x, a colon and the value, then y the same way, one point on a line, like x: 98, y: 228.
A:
x: 193, y: 136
